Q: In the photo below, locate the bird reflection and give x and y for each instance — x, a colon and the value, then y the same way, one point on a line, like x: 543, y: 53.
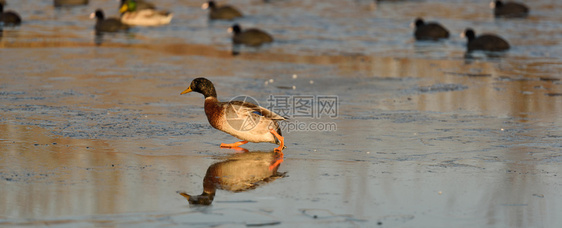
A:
x: 98, y: 39
x: 239, y: 172
x: 471, y: 56
x: 235, y: 50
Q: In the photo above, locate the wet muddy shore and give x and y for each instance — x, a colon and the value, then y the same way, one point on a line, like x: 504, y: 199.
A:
x: 95, y: 133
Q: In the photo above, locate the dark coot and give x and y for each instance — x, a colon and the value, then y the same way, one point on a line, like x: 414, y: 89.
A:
x: 225, y: 12
x: 109, y: 24
x: 9, y: 18
x: 509, y: 9
x: 429, y: 30
x: 485, y: 42
x: 59, y: 3
x: 250, y: 37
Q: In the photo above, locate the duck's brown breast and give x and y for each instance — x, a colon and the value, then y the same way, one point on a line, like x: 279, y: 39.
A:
x: 214, y: 112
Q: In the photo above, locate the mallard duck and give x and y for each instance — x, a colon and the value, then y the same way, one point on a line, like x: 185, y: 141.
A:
x: 250, y: 37
x: 485, y: 42
x: 9, y: 18
x: 107, y: 25
x: 509, y: 9
x: 59, y: 3
x: 243, y: 120
x: 240, y: 172
x: 145, y: 17
x: 224, y: 12
x: 141, y: 4
x: 429, y: 31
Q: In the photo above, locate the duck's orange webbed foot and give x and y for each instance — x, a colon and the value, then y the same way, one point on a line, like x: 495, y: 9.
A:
x: 279, y: 149
x: 235, y: 145
x: 277, y: 162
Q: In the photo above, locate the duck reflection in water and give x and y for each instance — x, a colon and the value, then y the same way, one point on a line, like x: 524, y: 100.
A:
x: 238, y: 173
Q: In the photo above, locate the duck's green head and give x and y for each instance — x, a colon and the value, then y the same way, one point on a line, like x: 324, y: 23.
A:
x: 128, y: 5
x: 203, y: 199
x: 202, y: 86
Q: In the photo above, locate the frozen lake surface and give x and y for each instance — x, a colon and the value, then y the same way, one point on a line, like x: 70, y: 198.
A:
x: 93, y: 131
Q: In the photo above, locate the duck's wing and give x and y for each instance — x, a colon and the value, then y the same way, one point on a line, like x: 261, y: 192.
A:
x: 147, y: 17
x: 151, y: 14
x: 141, y: 5
x: 247, y: 108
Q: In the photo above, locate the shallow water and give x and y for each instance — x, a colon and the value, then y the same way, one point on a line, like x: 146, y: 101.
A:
x: 98, y: 135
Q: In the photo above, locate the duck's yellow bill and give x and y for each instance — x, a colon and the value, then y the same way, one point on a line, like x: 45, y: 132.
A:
x: 123, y: 8
x: 186, y: 91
